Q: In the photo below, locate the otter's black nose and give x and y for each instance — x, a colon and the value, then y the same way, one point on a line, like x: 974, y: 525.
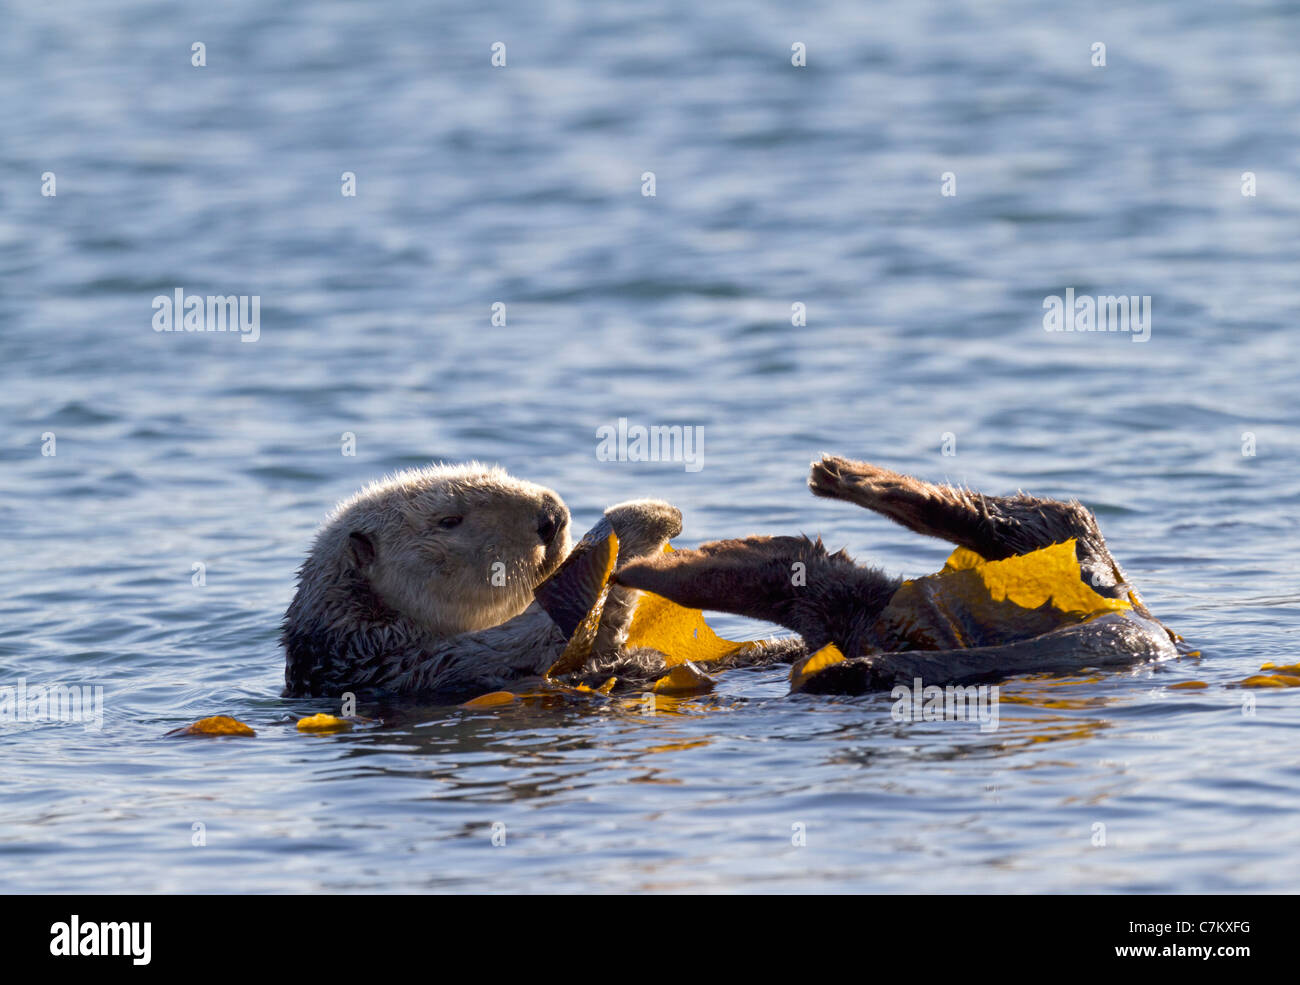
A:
x: 549, y: 521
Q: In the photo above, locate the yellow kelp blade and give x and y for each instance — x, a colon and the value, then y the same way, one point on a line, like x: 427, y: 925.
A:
x: 973, y: 602
x: 1271, y: 680
x: 579, y: 646
x: 216, y: 725
x: 963, y: 559
x: 679, y: 633
x: 600, y: 565
x: 1285, y: 675
x: 323, y: 723
x: 603, y: 690
x: 804, y: 669
x: 547, y: 693
x: 684, y: 678
x: 1050, y: 574
x: 492, y: 699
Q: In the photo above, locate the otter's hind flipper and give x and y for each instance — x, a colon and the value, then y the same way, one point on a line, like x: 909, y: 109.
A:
x: 791, y: 581
x: 1112, y: 640
x: 995, y: 527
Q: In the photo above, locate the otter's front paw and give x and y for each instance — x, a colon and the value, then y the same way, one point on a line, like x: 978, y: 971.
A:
x: 643, y: 526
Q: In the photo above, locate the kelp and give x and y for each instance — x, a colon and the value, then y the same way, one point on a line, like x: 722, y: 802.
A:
x: 802, y: 671
x: 973, y: 602
x: 679, y: 633
x: 586, y: 578
x: 215, y: 725
x: 682, y: 635
x: 324, y: 723
x: 977, y: 617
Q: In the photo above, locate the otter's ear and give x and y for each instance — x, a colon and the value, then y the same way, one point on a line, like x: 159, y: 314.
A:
x: 361, y: 549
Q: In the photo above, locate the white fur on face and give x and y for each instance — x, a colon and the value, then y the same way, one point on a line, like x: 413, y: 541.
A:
x: 456, y: 579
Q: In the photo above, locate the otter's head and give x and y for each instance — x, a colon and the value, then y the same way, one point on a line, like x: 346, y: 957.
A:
x: 454, y: 548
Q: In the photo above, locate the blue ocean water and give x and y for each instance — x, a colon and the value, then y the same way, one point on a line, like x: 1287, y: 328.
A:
x: 775, y: 185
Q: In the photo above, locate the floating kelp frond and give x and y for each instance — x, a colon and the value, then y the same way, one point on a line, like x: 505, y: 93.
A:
x: 216, y: 725
x: 827, y: 656
x: 493, y: 699
x: 323, y: 723
x: 1271, y: 680
x: 684, y: 678
x: 667, y: 695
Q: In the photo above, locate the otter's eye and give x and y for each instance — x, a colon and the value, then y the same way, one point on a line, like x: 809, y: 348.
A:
x: 448, y: 522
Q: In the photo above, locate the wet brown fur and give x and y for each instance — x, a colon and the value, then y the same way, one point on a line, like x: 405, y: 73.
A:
x: 838, y: 601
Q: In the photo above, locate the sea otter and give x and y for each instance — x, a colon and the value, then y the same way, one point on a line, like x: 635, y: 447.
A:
x: 946, y: 628
x: 423, y: 582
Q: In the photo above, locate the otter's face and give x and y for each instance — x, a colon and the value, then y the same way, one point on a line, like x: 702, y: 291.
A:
x: 457, y: 549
